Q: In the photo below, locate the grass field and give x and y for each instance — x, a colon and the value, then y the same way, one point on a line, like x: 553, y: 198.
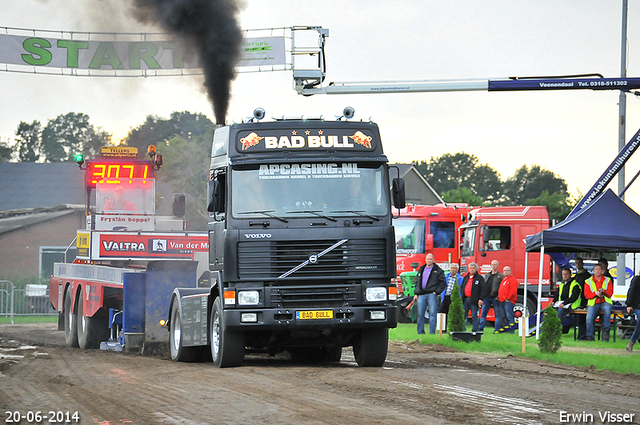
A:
x: 6, y: 320
x: 602, y: 355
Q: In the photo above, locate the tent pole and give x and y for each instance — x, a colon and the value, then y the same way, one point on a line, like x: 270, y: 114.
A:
x: 524, y: 310
x: 540, y: 292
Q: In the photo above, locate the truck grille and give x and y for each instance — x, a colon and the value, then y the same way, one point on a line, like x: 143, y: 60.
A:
x: 313, y: 297
x: 356, y: 258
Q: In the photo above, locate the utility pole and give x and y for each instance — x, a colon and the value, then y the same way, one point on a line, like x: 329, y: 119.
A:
x: 621, y: 267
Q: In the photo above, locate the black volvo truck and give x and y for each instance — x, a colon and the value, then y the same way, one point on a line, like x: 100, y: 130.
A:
x: 302, y: 247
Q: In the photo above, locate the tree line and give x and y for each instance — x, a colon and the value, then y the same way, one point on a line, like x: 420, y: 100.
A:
x: 461, y: 178
x: 184, y: 139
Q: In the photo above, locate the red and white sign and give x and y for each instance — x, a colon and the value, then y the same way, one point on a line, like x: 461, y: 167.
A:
x: 150, y: 245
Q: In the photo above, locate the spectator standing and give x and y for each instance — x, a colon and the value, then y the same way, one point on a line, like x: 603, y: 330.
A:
x: 508, y: 296
x: 598, y: 290
x: 492, y: 281
x: 633, y: 304
x: 453, y: 278
x: 429, y: 285
x: 581, y: 277
x: 471, y: 290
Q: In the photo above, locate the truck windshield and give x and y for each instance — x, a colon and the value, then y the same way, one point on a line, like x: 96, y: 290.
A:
x: 409, y: 236
x: 309, y: 189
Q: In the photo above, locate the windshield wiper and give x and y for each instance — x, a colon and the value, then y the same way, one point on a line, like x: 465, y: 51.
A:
x: 314, y: 213
x: 359, y: 213
x: 265, y: 212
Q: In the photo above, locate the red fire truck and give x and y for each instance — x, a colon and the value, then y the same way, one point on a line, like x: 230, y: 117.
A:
x: 499, y: 233
x: 462, y: 234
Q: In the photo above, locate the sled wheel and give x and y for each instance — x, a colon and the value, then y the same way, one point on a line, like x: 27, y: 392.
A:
x: 70, y: 321
x: 91, y: 330
x: 180, y: 353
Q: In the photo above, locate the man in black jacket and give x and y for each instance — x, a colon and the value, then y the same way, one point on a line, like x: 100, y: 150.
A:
x: 633, y: 304
x: 489, y: 295
x: 429, y: 285
x: 581, y: 277
x: 471, y: 291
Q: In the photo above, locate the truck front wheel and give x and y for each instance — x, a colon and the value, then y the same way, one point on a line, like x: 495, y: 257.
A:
x: 227, y: 347
x: 70, y: 321
x: 370, y: 347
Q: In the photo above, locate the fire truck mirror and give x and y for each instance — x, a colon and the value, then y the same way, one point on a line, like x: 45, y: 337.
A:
x: 429, y: 242
x: 399, y: 198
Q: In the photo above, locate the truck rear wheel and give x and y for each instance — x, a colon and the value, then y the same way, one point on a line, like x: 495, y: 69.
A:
x: 180, y: 353
x: 70, y: 321
x: 370, y: 347
x: 519, y: 309
x: 227, y: 347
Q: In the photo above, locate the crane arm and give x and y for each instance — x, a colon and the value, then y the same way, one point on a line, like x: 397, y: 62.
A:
x: 306, y: 88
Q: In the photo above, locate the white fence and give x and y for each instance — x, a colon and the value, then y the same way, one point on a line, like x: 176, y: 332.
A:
x: 31, y: 300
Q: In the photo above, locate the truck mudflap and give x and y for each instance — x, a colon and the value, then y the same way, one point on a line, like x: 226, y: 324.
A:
x: 338, y: 317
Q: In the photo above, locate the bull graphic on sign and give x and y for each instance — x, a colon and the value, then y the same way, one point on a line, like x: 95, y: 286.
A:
x: 360, y: 138
x: 252, y: 139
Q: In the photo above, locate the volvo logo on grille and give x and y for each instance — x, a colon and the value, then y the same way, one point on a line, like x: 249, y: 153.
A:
x: 257, y: 235
x: 313, y: 258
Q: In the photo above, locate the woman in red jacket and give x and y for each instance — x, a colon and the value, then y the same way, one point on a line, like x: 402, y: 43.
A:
x: 508, y: 295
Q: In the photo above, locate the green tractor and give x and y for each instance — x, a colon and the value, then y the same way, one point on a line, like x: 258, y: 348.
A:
x: 406, y: 307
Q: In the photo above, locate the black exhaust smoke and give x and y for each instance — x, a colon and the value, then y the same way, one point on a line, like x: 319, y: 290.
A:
x: 208, y: 29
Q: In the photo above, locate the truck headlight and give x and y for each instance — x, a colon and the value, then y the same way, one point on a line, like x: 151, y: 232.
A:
x: 376, y: 294
x: 248, y: 298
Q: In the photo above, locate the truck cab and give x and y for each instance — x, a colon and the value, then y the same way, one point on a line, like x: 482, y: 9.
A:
x: 302, y: 247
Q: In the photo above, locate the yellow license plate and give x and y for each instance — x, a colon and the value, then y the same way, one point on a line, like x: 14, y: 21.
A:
x: 314, y: 314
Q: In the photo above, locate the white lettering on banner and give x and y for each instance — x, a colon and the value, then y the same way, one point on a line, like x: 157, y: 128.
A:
x: 296, y: 142
x: 124, y: 246
x: 328, y: 170
x: 124, y: 55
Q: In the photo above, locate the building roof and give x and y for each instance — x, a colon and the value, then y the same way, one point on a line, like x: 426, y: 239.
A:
x: 17, y: 219
x: 405, y: 169
x: 25, y: 185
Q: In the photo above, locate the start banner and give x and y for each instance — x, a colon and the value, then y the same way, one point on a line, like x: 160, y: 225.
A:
x: 109, y: 55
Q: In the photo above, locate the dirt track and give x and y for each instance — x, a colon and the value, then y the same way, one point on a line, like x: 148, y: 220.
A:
x: 417, y: 385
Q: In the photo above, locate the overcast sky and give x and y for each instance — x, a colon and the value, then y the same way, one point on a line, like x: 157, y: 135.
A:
x: 573, y: 133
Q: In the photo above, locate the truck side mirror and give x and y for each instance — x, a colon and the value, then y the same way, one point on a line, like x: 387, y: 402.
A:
x: 398, y: 193
x: 178, y: 205
x: 211, y: 188
x: 429, y: 242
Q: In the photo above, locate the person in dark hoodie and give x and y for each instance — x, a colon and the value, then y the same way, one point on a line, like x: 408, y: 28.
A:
x: 429, y: 285
x: 471, y: 291
x: 633, y: 305
x: 581, y: 277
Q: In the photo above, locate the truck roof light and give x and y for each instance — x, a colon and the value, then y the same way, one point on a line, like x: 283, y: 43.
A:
x: 80, y: 159
x: 151, y: 151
